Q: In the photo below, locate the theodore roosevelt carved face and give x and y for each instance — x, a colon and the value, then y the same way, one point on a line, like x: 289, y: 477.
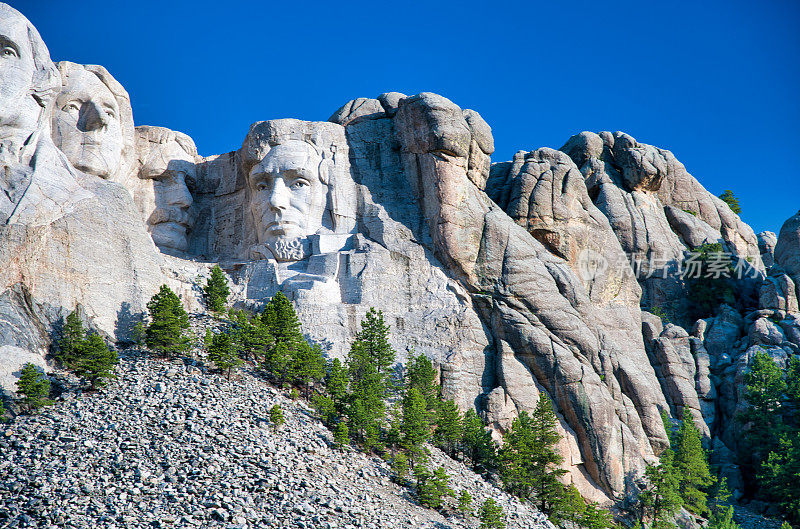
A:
x: 87, y: 124
x: 288, y: 197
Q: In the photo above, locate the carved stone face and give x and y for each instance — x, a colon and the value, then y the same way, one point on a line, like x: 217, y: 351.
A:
x: 288, y: 195
x: 87, y: 124
x: 163, y: 195
x: 18, y: 110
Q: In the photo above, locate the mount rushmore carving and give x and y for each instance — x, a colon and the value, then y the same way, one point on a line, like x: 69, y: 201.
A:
x: 392, y: 203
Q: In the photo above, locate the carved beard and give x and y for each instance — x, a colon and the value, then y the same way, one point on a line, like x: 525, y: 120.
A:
x: 289, y: 248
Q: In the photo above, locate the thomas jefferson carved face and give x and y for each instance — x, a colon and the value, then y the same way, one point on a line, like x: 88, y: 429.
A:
x: 19, y: 111
x: 288, y: 194
x: 168, y: 171
x: 86, y: 124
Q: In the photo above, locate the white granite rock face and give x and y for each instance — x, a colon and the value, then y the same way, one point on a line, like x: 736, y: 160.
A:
x: 514, y: 278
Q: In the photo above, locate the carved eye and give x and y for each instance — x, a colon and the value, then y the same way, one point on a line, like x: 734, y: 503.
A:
x: 8, y: 51
x: 111, y: 114
x: 71, y: 106
x: 262, y: 186
x: 299, y: 184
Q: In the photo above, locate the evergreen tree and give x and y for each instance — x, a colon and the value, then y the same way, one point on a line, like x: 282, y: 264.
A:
x: 465, y: 503
x: 449, y: 429
x: 2, y: 412
x: 139, y: 335
x: 168, y: 321
x: 374, y: 338
x: 477, y: 442
x: 415, y: 424
x: 692, y: 467
x: 280, y: 363
x: 250, y: 336
x: 778, y: 476
x: 421, y: 375
x: 400, y: 467
x: 492, y: 516
x: 660, y: 499
x: 34, y: 388
x: 336, y: 383
x: 706, y: 292
x: 326, y: 409
x: 222, y: 353
x: 216, y: 290
x: 594, y: 517
x: 281, y: 322
x: 569, y: 508
x: 528, y: 459
x: 342, y: 434
x: 729, y: 198
x: 309, y: 366
x: 764, y: 390
x: 72, y: 336
x: 94, y: 361
x: 276, y: 416
x: 431, y: 488
x: 721, y: 516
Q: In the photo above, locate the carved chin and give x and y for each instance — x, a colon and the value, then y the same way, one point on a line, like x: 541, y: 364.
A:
x: 170, y: 235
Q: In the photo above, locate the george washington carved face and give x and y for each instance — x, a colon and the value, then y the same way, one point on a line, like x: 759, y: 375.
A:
x: 87, y: 124
x: 288, y: 197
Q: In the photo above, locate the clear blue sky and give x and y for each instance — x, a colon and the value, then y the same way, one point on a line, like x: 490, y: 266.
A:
x: 716, y: 82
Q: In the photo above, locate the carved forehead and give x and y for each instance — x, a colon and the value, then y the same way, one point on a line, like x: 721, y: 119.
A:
x: 84, y: 84
x: 292, y: 155
x: 14, y: 27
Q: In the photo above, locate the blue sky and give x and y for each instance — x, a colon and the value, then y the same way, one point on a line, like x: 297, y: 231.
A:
x: 716, y: 82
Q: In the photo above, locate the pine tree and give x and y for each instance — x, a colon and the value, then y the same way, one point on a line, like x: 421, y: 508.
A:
x: 492, y: 516
x: 415, y: 424
x: 326, y: 409
x: 336, y: 383
x: 465, y: 504
x: 400, y: 467
x: 692, y: 466
x: 250, y: 336
x: 282, y: 324
x: 660, y: 499
x: 449, y: 429
x: 778, y: 475
x: 374, y: 337
x: 168, y: 321
x: 94, y: 361
x: 276, y: 416
x: 595, y: 517
x: 309, y: 366
x: 72, y: 336
x: 280, y: 364
x: 421, y: 375
x: 764, y: 390
x: 2, y: 412
x: 569, y: 508
x: 222, y: 353
x: 528, y: 459
x: 431, y: 488
x: 216, y: 290
x: 729, y: 198
x: 342, y: 434
x: 721, y: 516
x: 477, y: 442
x: 34, y: 388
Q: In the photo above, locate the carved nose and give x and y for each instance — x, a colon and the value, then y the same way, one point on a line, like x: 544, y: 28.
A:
x: 279, y: 195
x: 181, y: 195
x: 92, y: 117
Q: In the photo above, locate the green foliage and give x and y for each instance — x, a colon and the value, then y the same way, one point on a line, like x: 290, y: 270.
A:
x: 721, y: 516
x: 216, y: 290
x: 764, y: 389
x: 94, y: 361
x: 341, y: 435
x: 2, y: 412
x: 250, y: 336
x: 465, y: 503
x: 449, y: 429
x: 294, y: 394
x: 276, y: 416
x: 415, y: 426
x: 528, y: 458
x: 309, y: 368
x: 221, y: 351
x: 660, y: 499
x: 326, y: 409
x: 336, y: 383
x: 34, y: 387
x: 72, y: 335
x: 778, y: 475
x: 168, y: 321
x: 729, y: 198
x: 691, y: 466
x: 431, y: 488
x: 400, y: 466
x: 477, y: 442
x: 491, y: 515
x: 705, y: 294
x: 421, y: 375
x: 139, y: 335
x: 569, y: 507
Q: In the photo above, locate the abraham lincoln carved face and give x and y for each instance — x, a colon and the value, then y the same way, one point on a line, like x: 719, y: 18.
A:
x: 288, y: 197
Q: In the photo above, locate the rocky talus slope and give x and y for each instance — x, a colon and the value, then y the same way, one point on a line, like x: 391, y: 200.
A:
x: 169, y: 444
